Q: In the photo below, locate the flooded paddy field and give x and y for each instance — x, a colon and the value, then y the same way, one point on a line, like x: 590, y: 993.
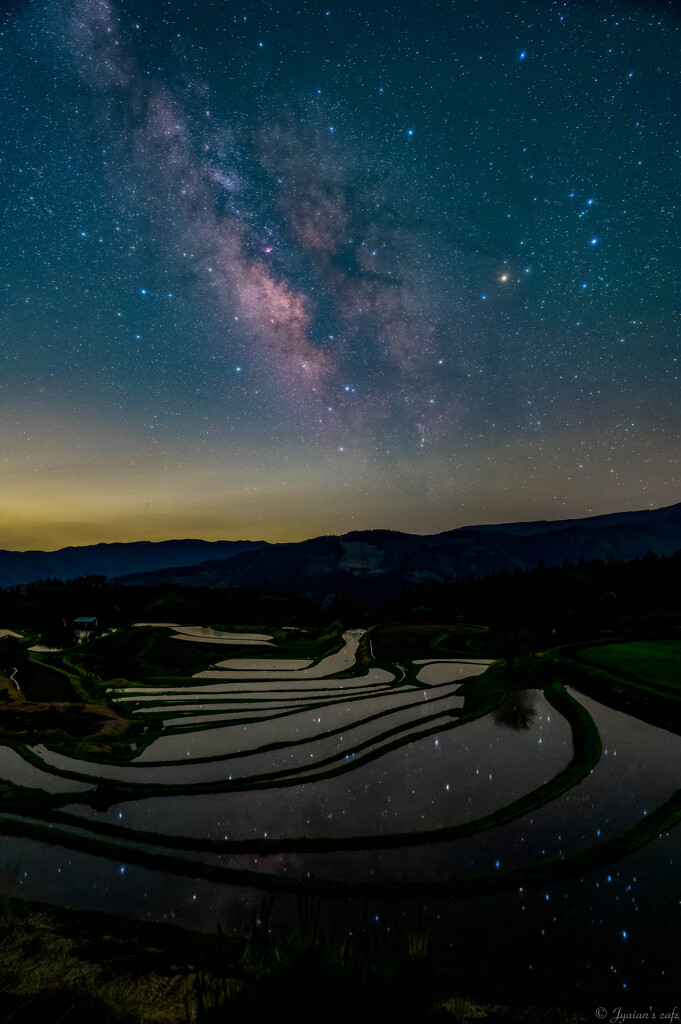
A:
x: 523, y: 826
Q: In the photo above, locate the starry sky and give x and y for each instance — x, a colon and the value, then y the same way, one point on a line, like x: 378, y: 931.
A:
x: 274, y: 270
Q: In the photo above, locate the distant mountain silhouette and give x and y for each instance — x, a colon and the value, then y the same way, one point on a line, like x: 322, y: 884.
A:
x: 360, y: 564
x: 112, y: 559
x: 375, y: 563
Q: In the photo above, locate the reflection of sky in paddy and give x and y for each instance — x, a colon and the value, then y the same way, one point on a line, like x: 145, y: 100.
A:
x: 340, y: 661
x: 450, y: 670
x: 309, y: 724
x: 13, y: 768
x: 613, y: 924
x: 639, y: 770
x: 204, y: 634
x: 245, y: 704
x: 344, y: 720
x: 266, y: 664
x: 436, y: 781
x: 242, y: 691
x: 204, y: 631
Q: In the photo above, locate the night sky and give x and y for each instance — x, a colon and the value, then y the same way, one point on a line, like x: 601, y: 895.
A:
x: 279, y: 270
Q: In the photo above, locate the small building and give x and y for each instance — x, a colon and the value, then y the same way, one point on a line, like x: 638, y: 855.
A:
x: 85, y: 627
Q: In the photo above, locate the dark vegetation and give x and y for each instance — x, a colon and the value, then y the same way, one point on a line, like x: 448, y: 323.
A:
x: 50, y: 606
x: 64, y: 964
x: 550, y: 604
x: 397, y: 642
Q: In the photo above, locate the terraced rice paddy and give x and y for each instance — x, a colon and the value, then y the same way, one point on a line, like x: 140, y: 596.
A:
x: 203, y: 634
x: 14, y: 768
x: 333, y: 778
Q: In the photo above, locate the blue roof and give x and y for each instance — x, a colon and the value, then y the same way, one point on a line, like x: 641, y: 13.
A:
x: 83, y: 621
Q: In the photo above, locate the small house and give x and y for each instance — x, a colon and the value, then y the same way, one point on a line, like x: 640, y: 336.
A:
x: 85, y: 627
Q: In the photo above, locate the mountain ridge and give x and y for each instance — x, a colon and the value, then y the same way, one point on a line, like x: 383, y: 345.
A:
x: 365, y: 564
x: 379, y: 561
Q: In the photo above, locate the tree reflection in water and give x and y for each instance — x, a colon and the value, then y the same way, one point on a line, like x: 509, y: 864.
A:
x: 517, y: 712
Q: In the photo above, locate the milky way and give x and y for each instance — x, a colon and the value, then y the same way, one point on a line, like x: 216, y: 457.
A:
x: 330, y: 268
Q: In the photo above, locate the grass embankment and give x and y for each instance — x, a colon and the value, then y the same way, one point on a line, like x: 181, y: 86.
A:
x: 76, y: 966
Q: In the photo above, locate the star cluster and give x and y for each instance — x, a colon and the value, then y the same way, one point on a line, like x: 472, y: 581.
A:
x: 280, y: 269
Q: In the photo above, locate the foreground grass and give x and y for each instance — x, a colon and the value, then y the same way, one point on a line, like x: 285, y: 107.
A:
x: 58, y: 964
x: 55, y: 965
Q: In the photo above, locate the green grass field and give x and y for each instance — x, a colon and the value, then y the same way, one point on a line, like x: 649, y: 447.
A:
x: 656, y: 663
